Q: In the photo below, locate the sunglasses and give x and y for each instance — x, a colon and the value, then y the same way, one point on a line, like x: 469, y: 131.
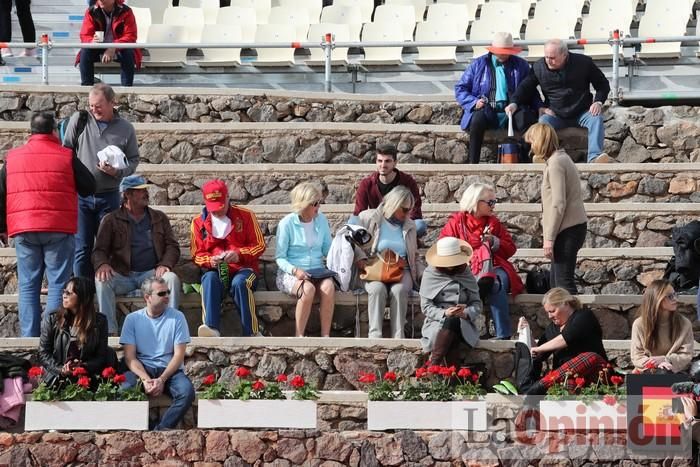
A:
x: 405, y: 210
x: 673, y: 296
x: 163, y: 293
x: 67, y: 292
x: 491, y: 202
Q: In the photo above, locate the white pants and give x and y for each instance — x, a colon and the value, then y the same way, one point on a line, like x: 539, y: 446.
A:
x: 378, y: 292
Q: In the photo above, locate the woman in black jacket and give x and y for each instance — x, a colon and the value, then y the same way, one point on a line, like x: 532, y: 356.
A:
x: 75, y: 335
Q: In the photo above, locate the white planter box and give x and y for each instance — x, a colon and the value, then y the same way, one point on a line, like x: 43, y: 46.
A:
x: 454, y: 415
x: 220, y: 413
x: 92, y: 415
x: 575, y: 415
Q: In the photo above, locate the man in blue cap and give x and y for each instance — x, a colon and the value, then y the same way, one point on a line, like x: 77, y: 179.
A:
x: 133, y: 244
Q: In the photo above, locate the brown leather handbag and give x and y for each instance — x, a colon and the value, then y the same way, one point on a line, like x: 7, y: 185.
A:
x: 386, y: 267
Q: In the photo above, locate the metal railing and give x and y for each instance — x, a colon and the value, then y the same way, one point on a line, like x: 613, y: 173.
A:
x: 328, y: 43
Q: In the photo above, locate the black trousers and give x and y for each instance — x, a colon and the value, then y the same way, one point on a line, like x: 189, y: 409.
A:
x: 24, y: 15
x: 477, y: 127
x: 566, y: 247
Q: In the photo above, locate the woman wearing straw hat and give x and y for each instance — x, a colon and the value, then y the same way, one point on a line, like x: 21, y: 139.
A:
x: 449, y: 299
x: 485, y: 88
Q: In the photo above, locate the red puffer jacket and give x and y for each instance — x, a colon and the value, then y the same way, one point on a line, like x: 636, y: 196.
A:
x: 465, y: 226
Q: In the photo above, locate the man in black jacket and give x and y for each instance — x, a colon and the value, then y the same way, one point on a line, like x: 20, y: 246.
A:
x: 565, y: 80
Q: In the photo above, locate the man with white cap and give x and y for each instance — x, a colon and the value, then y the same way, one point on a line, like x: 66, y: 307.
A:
x: 134, y: 243
x: 449, y: 299
x: 485, y: 89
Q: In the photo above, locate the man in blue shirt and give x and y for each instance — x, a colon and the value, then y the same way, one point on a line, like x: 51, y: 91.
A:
x: 154, y: 340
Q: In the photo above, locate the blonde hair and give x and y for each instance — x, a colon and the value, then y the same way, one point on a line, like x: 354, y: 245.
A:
x: 395, y: 199
x: 303, y: 195
x: 558, y: 297
x: 543, y: 139
x: 649, y: 313
x: 472, y: 195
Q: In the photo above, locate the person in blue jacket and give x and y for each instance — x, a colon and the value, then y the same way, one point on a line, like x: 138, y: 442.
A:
x: 485, y: 88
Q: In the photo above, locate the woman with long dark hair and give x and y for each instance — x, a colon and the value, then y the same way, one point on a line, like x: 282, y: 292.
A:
x: 75, y: 335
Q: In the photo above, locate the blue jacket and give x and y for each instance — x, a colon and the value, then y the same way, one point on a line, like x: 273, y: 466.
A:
x: 291, y: 250
x: 476, y: 82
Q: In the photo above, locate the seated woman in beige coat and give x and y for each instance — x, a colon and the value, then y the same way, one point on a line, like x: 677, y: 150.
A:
x: 661, y: 337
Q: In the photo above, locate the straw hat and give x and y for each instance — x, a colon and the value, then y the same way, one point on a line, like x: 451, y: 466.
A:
x: 449, y: 252
x: 503, y: 44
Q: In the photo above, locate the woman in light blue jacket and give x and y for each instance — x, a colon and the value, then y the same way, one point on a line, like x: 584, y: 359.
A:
x: 303, y: 240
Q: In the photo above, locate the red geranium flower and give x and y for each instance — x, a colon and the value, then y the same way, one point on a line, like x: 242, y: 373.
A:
x: 281, y: 378
x: 609, y: 399
x: 258, y: 386
x: 389, y: 376
x: 447, y: 371
x: 616, y: 380
x: 119, y: 379
x: 80, y: 371
x: 650, y: 365
x: 84, y: 381
x: 464, y: 373
x: 550, y: 377
x: 36, y: 371
x: 242, y: 372
x: 580, y: 382
x: 421, y: 372
x: 297, y: 382
x: 108, y: 372
x: 367, y: 377
x: 434, y: 369
x: 209, y: 380
x: 475, y: 377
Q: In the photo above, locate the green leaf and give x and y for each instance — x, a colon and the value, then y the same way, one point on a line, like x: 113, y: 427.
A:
x: 501, y: 389
x: 510, y: 387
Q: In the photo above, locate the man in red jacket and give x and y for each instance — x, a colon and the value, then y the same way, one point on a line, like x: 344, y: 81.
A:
x: 226, y: 242
x: 108, y: 21
x: 39, y: 186
x: 372, y: 189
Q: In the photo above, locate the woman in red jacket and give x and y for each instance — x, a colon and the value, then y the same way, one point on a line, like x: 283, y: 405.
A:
x: 477, y: 224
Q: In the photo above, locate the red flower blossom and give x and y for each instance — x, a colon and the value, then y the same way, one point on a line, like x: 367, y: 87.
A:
x: 550, y: 377
x: 281, y: 378
x: 36, y: 371
x: 421, y: 373
x: 475, y: 377
x: 108, y: 372
x: 464, y: 373
x: 84, y: 381
x: 389, y: 376
x: 616, y: 380
x: 367, y: 378
x: 580, y: 382
x: 258, y: 385
x: 434, y: 369
x: 650, y: 365
x: 447, y: 371
x: 209, y: 380
x: 119, y: 379
x: 242, y: 372
x: 80, y: 371
x: 297, y: 382
x: 609, y: 399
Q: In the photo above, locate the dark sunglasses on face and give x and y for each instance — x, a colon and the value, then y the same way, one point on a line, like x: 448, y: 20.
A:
x: 163, y: 293
x: 491, y: 202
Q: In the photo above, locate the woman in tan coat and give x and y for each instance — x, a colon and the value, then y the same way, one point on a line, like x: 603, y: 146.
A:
x: 564, y: 219
x: 661, y: 337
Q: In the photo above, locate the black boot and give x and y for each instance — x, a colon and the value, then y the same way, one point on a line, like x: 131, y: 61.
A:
x: 441, y: 347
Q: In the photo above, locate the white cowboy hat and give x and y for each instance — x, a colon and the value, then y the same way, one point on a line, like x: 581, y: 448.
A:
x: 449, y: 252
x: 503, y: 44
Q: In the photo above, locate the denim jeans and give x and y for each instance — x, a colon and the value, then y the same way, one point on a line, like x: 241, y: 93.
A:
x: 39, y: 253
x: 91, y: 210
x: 241, y: 288
x: 566, y: 247
x: 88, y: 57
x: 500, y: 312
x: 596, y: 130
x: 124, y: 285
x: 178, y: 387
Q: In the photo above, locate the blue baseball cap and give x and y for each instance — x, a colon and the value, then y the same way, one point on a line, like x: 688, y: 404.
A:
x: 133, y: 182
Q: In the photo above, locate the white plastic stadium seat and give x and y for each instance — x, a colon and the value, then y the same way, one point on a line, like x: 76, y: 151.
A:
x: 296, y: 17
x: 157, y: 8
x: 162, y: 34
x: 262, y: 8
x: 418, y: 6
x: 457, y: 14
x: 471, y: 5
x: 663, y: 18
x: 239, y: 18
x: 282, y: 33
x: 313, y: 7
x: 441, y: 30
x: 210, y: 7
x: 542, y: 28
x: 484, y: 30
x: 339, y: 55
x: 191, y: 18
x: 604, y: 17
x: 365, y: 6
x: 143, y: 22
x: 348, y: 15
x: 503, y: 16
x: 376, y: 32
x: 401, y: 17
x: 219, y: 33
x: 520, y: 7
x: 556, y: 11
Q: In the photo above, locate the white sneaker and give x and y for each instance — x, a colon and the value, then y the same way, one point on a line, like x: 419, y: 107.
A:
x: 28, y: 53
x: 206, y: 331
x: 5, y: 52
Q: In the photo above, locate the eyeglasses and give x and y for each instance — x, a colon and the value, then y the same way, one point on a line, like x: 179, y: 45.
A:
x: 491, y: 202
x: 162, y: 293
x: 673, y: 296
x: 67, y: 292
x: 405, y: 210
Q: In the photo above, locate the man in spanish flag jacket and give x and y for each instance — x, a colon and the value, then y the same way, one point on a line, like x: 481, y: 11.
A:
x: 226, y: 242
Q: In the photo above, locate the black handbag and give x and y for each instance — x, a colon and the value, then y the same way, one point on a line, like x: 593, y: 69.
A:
x: 537, y: 280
